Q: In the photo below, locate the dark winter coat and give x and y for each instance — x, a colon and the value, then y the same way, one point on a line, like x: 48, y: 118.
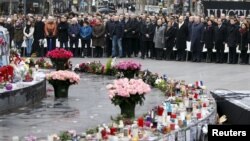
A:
x: 220, y: 34
x: 39, y: 30
x: 196, y: 38
x: 62, y: 29
x: 132, y: 29
x: 243, y: 40
x: 116, y: 29
x: 169, y: 36
x: 18, y: 34
x: 147, y: 28
x: 74, y: 29
x: 10, y: 29
x: 208, y: 37
x: 233, y: 36
x: 98, y: 33
x: 181, y: 36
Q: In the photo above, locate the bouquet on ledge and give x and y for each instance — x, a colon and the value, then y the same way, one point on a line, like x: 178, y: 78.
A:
x: 127, y: 94
x: 59, y: 53
x: 6, y: 73
x: 42, y: 63
x: 92, y: 67
x: 128, y: 68
x: 30, y: 62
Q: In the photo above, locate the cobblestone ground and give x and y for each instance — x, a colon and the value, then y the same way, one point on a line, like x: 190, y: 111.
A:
x: 88, y: 104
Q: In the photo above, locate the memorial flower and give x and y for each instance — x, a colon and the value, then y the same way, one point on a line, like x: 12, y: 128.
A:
x: 72, y: 77
x: 127, y: 94
x: 128, y: 69
x: 59, y: 53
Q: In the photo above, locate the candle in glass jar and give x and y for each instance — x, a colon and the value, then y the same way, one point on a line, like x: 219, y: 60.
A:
x: 198, y: 115
x: 113, y: 130
x: 173, y: 115
x: 160, y: 110
x: 140, y: 121
x: 172, y: 126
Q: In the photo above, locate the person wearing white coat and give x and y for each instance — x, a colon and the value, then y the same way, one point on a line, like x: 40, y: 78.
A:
x: 28, y: 32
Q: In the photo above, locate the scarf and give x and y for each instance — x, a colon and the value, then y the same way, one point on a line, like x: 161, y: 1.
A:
x: 27, y: 30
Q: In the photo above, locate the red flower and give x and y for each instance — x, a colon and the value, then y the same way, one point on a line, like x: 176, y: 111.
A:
x: 6, y: 73
x: 59, y: 54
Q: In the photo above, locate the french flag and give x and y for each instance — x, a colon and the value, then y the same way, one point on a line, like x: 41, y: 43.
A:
x: 199, y: 84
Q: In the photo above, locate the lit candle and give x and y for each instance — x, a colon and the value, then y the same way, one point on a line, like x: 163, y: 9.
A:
x: 198, y: 115
x: 172, y: 126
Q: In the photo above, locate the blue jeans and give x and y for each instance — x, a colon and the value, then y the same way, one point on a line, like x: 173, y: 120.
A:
x: 29, y: 43
x: 116, y: 42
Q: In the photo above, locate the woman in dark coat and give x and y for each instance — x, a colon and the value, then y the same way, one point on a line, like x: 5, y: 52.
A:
x: 18, y: 35
x: 170, y: 34
x: 63, y: 36
x: 208, y: 39
x: 38, y: 37
x: 98, y: 39
x: 243, y: 43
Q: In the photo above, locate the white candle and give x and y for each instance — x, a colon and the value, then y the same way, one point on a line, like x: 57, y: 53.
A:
x: 50, y: 138
x: 15, y: 138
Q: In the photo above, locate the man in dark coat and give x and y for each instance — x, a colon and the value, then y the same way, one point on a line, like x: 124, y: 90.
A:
x: 181, y: 39
x: 232, y: 40
x: 196, y: 42
x: 135, y: 35
x: 116, y: 35
x: 220, y: 39
x: 108, y: 28
x: 39, y: 37
x: 63, y: 36
x: 147, y: 34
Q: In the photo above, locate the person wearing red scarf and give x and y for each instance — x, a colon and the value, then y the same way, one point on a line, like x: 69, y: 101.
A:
x: 243, y: 45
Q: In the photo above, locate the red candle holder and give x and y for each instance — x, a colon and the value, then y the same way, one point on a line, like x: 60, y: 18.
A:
x: 160, y: 110
x: 204, y: 105
x: 104, y: 133
x: 113, y: 131
x: 172, y: 126
x: 173, y: 115
x: 195, y: 95
x: 140, y: 121
x: 198, y: 115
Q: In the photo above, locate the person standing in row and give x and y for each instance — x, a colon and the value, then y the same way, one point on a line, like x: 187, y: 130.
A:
x: 50, y: 29
x: 62, y: 29
x: 170, y: 34
x: 18, y: 35
x: 38, y: 37
x: 196, y: 39
x: 85, y: 34
x: 159, y: 40
x: 116, y: 35
x: 28, y: 32
x: 220, y: 39
x: 243, y: 44
x: 98, y: 37
x: 73, y: 32
x: 232, y: 40
x: 147, y: 33
x: 181, y: 39
x: 208, y: 39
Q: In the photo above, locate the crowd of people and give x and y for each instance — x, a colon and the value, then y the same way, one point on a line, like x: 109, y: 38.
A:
x: 129, y: 35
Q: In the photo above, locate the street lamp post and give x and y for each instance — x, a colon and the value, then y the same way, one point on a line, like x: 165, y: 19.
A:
x: 25, y: 7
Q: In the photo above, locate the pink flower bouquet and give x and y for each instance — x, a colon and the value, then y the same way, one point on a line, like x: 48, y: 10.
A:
x: 61, y: 80
x: 72, y: 77
x: 127, y: 94
x: 128, y: 68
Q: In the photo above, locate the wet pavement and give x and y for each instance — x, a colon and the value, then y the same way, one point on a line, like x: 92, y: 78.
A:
x: 87, y: 106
